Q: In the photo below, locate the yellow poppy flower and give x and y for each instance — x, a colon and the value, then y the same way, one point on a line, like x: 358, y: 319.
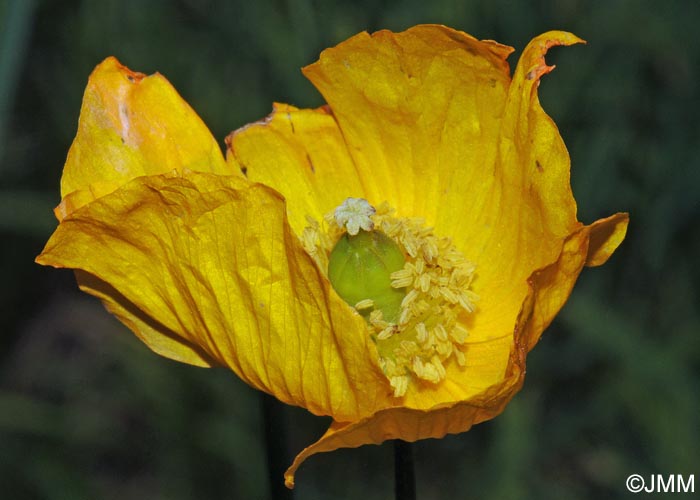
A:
x: 428, y: 151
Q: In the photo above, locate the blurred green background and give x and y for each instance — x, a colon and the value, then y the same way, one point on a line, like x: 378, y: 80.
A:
x: 87, y: 412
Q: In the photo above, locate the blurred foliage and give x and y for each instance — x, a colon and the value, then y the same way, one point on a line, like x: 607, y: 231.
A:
x: 86, y: 411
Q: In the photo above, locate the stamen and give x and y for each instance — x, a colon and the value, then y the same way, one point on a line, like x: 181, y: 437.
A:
x: 364, y: 304
x: 387, y: 332
x: 399, y: 384
x: 421, y: 333
x: 417, y: 343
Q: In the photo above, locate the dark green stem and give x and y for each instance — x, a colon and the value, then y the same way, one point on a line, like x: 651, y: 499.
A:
x: 275, y: 429
x: 404, y: 473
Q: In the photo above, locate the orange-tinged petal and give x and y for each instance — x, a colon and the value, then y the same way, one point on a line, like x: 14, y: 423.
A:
x: 529, y: 210
x: 606, y: 236
x: 132, y: 125
x: 209, y: 261
x: 300, y: 153
x: 406, y: 424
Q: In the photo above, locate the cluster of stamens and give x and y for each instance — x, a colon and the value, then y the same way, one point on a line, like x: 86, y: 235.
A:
x: 430, y: 329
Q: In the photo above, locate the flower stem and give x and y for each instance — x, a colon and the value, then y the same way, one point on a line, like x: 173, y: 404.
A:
x: 276, y: 451
x: 404, y: 473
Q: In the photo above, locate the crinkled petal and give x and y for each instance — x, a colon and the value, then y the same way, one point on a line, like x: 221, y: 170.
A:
x: 606, y: 236
x: 301, y: 154
x: 528, y: 211
x: 418, y: 110
x: 206, y: 270
x: 132, y: 125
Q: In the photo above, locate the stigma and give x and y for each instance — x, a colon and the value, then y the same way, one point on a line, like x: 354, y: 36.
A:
x: 355, y: 214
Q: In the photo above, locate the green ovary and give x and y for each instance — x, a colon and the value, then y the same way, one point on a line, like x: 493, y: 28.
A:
x: 359, y: 268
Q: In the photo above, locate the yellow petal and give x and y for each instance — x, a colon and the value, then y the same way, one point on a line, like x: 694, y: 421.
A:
x: 419, y: 111
x: 528, y: 211
x: 206, y: 270
x: 132, y: 125
x: 301, y: 154
x: 606, y: 236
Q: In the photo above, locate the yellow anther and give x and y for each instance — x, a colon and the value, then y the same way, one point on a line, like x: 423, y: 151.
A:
x: 364, y: 304
x: 387, y: 332
x: 399, y: 384
x: 421, y: 333
x: 440, y: 332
